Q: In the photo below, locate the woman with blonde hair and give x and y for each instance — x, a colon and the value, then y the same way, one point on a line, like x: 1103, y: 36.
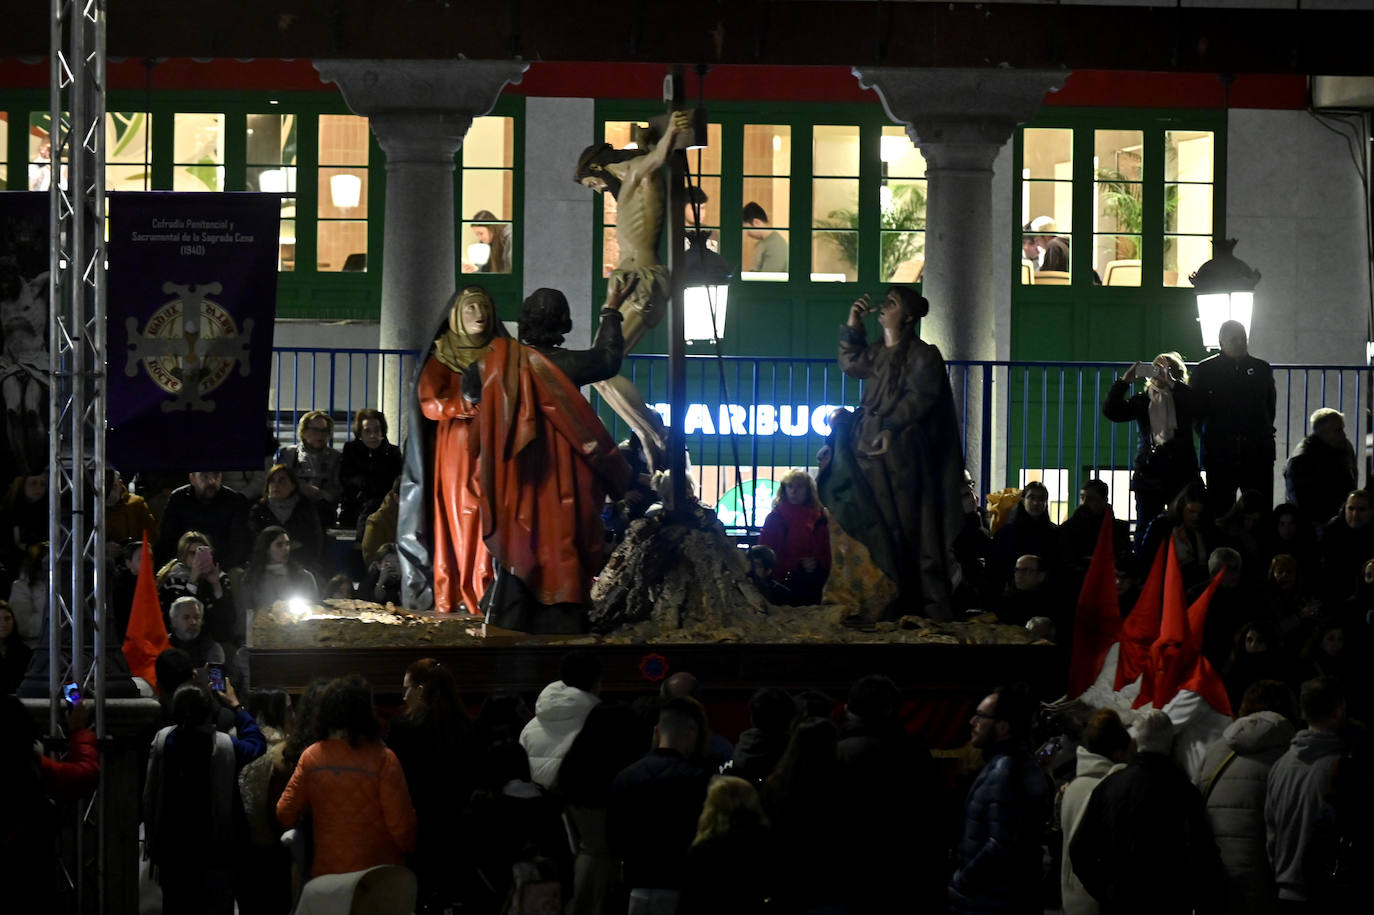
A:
x: 732, y: 863
x: 318, y: 466
x: 799, y: 535
x: 195, y: 572
x: 1166, y: 460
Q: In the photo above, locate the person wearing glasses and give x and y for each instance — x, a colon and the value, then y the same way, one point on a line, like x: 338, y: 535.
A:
x: 317, y: 464
x: 999, y: 859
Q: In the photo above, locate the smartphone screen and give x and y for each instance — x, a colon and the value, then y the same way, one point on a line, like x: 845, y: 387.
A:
x: 71, y: 693
x: 217, y: 678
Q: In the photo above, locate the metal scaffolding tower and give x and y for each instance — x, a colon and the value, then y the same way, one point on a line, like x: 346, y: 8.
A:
x: 76, y: 402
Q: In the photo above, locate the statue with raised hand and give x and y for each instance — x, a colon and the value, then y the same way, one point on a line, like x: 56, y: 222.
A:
x: 634, y: 177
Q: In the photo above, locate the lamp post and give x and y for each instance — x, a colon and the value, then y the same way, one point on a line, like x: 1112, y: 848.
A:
x: 1225, y: 292
x: 706, y: 289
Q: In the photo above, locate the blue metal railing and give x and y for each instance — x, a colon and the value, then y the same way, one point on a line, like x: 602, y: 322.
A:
x: 1019, y: 420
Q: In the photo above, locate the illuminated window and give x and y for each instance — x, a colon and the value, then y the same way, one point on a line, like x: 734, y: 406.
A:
x: 835, y: 203
x: 488, y: 205
x: 902, y: 200
x: 271, y: 159
x: 4, y: 150
x: 198, y: 152
x: 1118, y: 205
x: 1046, y: 214
x: 1188, y: 183
x: 767, y: 185
x: 40, y: 152
x: 128, y: 151
x: 704, y: 167
x: 342, y: 191
x: 1149, y: 203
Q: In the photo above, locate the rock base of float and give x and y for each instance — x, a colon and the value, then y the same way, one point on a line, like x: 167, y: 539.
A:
x: 664, y: 584
x: 358, y: 624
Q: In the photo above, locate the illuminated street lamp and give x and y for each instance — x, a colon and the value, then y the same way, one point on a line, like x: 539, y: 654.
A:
x: 1225, y: 292
x: 705, y: 290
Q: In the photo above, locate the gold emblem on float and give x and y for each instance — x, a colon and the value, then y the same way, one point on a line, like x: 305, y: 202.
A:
x: 189, y: 346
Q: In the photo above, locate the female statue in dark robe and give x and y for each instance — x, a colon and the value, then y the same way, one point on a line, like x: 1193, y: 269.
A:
x: 895, y: 478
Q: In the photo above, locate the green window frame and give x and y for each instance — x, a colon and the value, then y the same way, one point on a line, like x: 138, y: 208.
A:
x: 506, y: 289
x: 304, y: 292
x: 1082, y: 321
x: 796, y: 316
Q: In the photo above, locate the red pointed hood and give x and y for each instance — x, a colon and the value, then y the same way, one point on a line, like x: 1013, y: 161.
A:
x: 1097, y: 623
x: 1141, y: 627
x: 1172, y: 655
x: 1203, y: 679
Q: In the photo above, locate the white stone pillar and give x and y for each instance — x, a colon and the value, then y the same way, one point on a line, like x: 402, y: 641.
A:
x: 961, y: 120
x: 420, y: 110
x: 559, y: 212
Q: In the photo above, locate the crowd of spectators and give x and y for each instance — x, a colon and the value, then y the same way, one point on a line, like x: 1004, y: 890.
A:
x: 594, y: 803
x: 819, y: 805
x: 317, y: 513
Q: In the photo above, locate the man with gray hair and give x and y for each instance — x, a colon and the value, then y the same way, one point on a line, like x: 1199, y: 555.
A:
x: 1147, y: 820
x: 1322, y: 470
x: 187, y: 632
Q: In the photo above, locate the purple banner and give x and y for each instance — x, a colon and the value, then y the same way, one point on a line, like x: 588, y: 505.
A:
x: 24, y: 333
x: 192, y: 300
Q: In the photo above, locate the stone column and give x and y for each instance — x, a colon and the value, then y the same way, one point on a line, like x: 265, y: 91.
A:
x: 558, y: 213
x: 961, y: 120
x: 420, y: 110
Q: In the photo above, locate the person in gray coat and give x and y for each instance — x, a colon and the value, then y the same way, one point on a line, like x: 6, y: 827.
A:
x: 1233, y: 777
x: 1293, y: 798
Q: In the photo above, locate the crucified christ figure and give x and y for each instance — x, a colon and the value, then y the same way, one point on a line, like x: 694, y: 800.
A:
x: 634, y: 177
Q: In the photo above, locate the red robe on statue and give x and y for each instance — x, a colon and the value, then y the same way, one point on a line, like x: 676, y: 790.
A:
x: 545, y: 464
x: 462, y: 565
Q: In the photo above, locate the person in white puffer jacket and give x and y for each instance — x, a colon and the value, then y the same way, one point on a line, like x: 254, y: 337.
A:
x: 1233, y: 778
x: 1106, y: 747
x: 559, y: 712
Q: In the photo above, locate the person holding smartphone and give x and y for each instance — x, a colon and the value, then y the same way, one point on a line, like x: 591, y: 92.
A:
x: 191, y: 843
x: 1164, y: 412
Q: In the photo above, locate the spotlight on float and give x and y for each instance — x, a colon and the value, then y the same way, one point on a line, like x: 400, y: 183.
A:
x: 1225, y: 292
x: 705, y: 290
x: 299, y: 607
